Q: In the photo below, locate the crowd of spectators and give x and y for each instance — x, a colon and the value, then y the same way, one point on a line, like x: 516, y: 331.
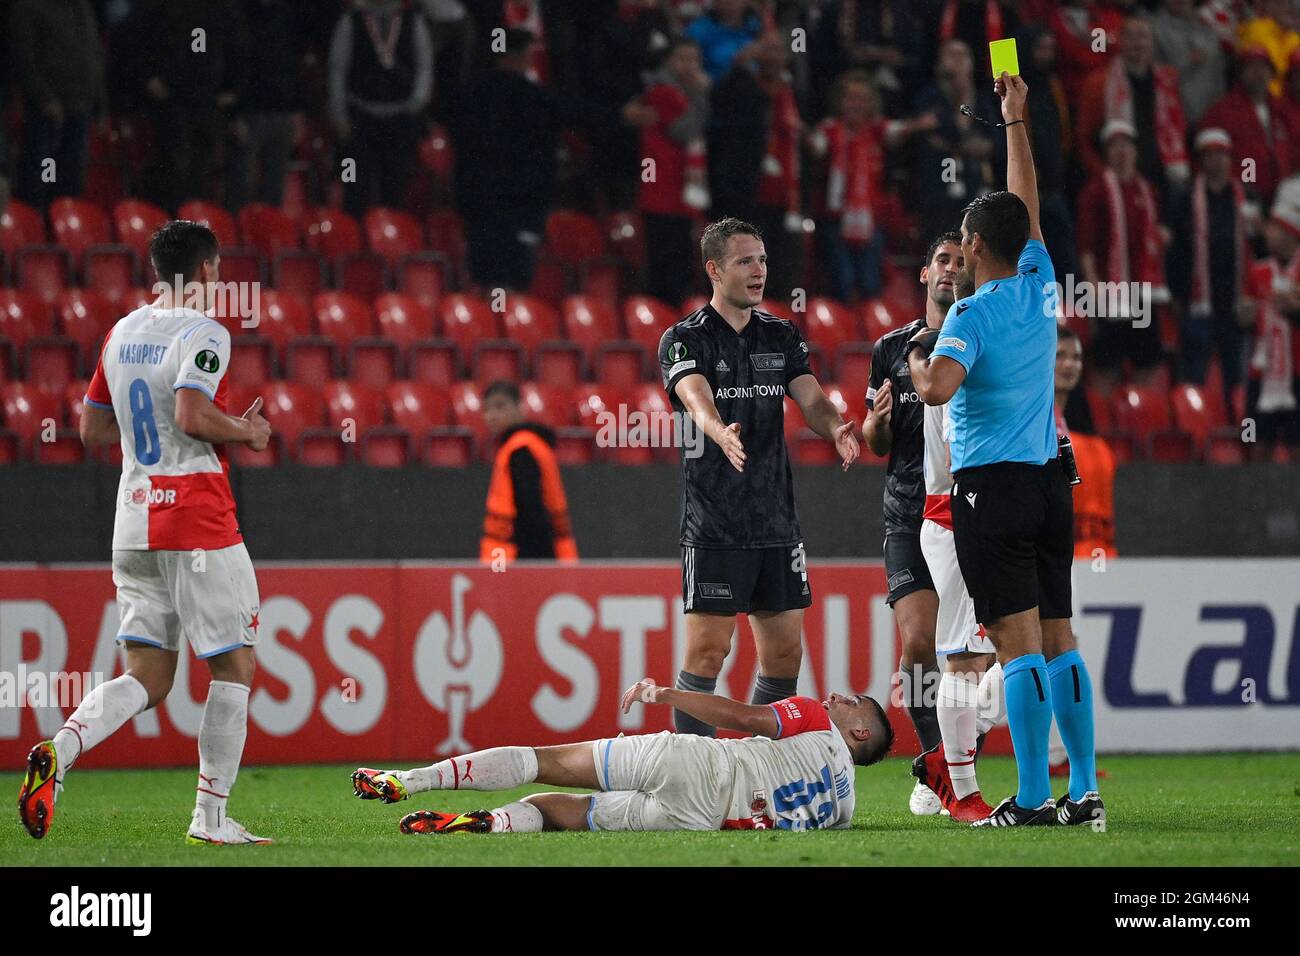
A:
x: 1164, y: 133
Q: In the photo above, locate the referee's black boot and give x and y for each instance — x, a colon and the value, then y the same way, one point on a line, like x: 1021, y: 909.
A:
x: 1089, y: 810
x: 1008, y: 813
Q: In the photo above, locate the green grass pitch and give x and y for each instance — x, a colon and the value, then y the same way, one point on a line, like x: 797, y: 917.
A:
x: 1209, y: 810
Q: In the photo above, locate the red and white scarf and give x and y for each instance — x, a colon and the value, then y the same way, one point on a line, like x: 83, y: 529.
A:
x: 857, y: 160
x: 779, y: 185
x: 992, y: 20
x: 1144, y: 264
x: 1272, y: 353
x: 1170, y: 125
x: 1200, y: 305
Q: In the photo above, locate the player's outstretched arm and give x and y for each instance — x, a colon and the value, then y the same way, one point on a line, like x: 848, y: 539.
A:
x: 199, y: 418
x: 1021, y: 177
x: 99, y: 427
x: 824, y: 418
x: 708, y: 708
x: 694, y: 392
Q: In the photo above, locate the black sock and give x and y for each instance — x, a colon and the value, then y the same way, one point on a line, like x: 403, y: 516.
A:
x: 685, y: 723
x: 913, y: 682
x: 769, y: 690
x: 979, y: 744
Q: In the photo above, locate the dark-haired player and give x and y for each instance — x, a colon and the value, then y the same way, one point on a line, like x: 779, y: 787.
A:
x: 796, y: 773
x: 727, y: 368
x: 179, y: 561
x: 895, y: 427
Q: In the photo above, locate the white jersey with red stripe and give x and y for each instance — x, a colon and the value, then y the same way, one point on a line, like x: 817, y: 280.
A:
x: 800, y: 780
x: 174, y: 494
x: 938, y: 478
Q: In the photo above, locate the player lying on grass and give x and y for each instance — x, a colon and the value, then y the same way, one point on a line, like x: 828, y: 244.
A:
x: 796, y: 773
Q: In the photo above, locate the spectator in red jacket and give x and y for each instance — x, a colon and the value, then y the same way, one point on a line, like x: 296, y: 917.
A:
x: 672, y: 189
x: 1080, y: 50
x: 1121, y: 241
x: 1254, y: 118
x: 1134, y: 89
x: 1274, y: 284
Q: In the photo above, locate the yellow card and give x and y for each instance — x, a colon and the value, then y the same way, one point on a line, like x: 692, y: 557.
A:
x: 1002, y: 54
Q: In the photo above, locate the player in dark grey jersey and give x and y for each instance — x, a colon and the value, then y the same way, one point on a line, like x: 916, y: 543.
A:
x: 895, y: 426
x: 728, y: 367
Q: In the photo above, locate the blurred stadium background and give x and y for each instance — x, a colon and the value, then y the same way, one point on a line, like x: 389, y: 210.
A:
x: 499, y: 226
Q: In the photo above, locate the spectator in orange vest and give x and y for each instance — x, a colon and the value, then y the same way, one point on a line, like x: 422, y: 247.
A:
x: 1094, y: 495
x: 527, y: 514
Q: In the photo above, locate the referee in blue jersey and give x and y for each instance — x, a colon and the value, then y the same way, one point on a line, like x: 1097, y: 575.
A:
x: 1012, y: 513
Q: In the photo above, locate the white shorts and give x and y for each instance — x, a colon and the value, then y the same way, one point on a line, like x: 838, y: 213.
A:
x: 956, y: 631
x: 661, y: 781
x: 210, y: 595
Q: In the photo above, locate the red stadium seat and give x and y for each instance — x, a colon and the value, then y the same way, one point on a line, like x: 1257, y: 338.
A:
x: 435, y: 362
x: 1141, y: 411
x: 10, y: 447
x: 828, y: 325
x: 349, y: 405
x: 23, y: 316
x: 20, y: 225
x: 450, y: 446
x: 1225, y: 448
x: 1103, y: 412
x: 811, y: 449
x: 646, y: 320
x: 496, y: 359
x: 362, y: 274
x: 392, y: 233
x: 551, y: 406
x: 215, y: 217
x: 283, y: 318
x: 602, y: 278
x: 424, y: 275
x: 242, y: 265
x: 268, y: 230
x: 1171, y: 446
x: 333, y: 233
x: 1198, y: 411
x: 877, y: 319
x: 66, y: 449
x: 447, y: 236
x: 558, y: 363
x: 288, y: 406
x: 575, y: 445
x: 343, y: 318
x: 322, y: 448
x: 589, y: 322
x: 467, y: 321
x: 86, y: 316
x: 626, y: 239
x: 404, y: 319
x: 418, y: 406
x: 299, y: 272
x: 574, y: 236
x: 374, y: 362
x: 112, y: 270
x: 43, y: 270
x: 851, y: 402
x: 78, y: 225
x: 252, y: 360
x: 311, y: 361
x: 51, y: 362
x: 530, y: 321
x: 244, y: 457
x: 27, y: 411
x: 596, y: 401
x: 467, y: 408
x: 386, y: 447
x: 135, y: 222
x: 620, y: 364
x: 551, y: 279
x: 853, y: 365
x: 74, y: 402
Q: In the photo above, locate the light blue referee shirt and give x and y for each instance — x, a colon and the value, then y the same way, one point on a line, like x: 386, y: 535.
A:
x: 1005, y: 337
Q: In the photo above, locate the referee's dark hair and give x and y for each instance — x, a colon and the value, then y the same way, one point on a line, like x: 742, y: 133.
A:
x: 713, y: 244
x: 874, y: 749
x: 179, y: 247
x: 1003, y: 220
x: 952, y: 236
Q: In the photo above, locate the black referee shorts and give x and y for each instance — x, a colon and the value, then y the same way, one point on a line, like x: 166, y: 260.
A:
x: 1013, y: 525
x: 742, y: 580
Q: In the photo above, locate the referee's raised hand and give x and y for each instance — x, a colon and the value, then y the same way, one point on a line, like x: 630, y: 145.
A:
x: 728, y: 439
x: 1013, y: 91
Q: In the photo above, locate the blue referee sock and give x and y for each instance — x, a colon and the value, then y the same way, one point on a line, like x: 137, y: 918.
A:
x: 1072, y: 705
x: 1029, y: 715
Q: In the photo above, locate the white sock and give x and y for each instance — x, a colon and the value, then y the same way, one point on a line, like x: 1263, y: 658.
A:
x: 992, y: 701
x: 221, y: 745
x: 98, y: 716
x: 518, y: 817
x: 956, y: 708
x: 497, y: 769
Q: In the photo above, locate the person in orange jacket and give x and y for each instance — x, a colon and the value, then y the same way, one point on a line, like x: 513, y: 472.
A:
x: 527, y: 514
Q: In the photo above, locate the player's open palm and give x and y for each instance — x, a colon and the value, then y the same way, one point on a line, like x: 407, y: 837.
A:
x: 882, y: 406
x: 846, y: 443
x: 732, y: 447
x: 261, y: 427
